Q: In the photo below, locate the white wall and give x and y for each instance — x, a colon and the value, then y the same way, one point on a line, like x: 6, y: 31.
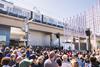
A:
x: 39, y: 38
x: 43, y: 39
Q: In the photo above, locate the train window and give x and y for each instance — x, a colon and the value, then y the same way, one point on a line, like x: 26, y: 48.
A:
x: 45, y: 19
x: 29, y: 14
x: 14, y: 11
x: 25, y: 14
x: 50, y: 20
x: 19, y: 11
x: 37, y: 17
x: 1, y: 5
x: 8, y: 9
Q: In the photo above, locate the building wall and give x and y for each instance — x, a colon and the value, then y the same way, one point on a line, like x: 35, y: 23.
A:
x: 62, y: 39
x: 43, y: 39
x: 39, y: 38
x: 5, y: 31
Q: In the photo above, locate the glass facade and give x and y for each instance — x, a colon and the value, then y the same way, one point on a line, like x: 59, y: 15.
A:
x: 4, y: 34
x: 3, y: 39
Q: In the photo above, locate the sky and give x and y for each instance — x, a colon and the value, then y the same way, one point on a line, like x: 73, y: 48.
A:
x: 58, y: 9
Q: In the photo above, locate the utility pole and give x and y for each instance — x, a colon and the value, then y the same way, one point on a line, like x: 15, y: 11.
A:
x: 26, y: 31
x: 58, y: 37
x: 88, y: 34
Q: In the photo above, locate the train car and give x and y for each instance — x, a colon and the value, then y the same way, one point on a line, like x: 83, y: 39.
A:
x: 37, y: 17
x: 52, y: 21
x: 12, y: 10
x: 45, y: 19
x: 49, y: 20
x: 26, y: 13
x: 4, y: 5
x: 19, y: 12
x: 60, y: 24
x: 23, y: 13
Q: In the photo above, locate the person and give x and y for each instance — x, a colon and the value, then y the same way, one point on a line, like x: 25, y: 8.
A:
x: 81, y: 60
x: 12, y: 61
x: 15, y: 52
x: 98, y: 56
x: 1, y: 56
x: 19, y: 52
x: 87, y: 61
x: 28, y: 52
x: 40, y: 61
x: 94, y: 62
x: 18, y: 60
x: 45, y: 55
x: 7, y: 52
x: 65, y: 62
x: 5, y: 62
x: 59, y: 62
x: 25, y: 63
x: 34, y: 58
x: 74, y: 62
x: 50, y: 62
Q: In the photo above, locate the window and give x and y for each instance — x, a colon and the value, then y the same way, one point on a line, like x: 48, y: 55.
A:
x: 1, y: 5
x: 51, y: 20
x: 9, y: 9
x: 3, y: 39
x: 17, y: 11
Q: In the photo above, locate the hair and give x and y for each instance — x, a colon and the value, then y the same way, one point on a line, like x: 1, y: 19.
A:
x: 93, y: 59
x: 5, y: 61
x: 23, y: 55
x: 51, y: 54
x: 40, y: 58
x: 64, y: 57
x: 18, y: 59
x: 59, y: 61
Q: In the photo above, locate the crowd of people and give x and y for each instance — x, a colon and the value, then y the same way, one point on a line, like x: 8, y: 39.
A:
x: 47, y: 57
